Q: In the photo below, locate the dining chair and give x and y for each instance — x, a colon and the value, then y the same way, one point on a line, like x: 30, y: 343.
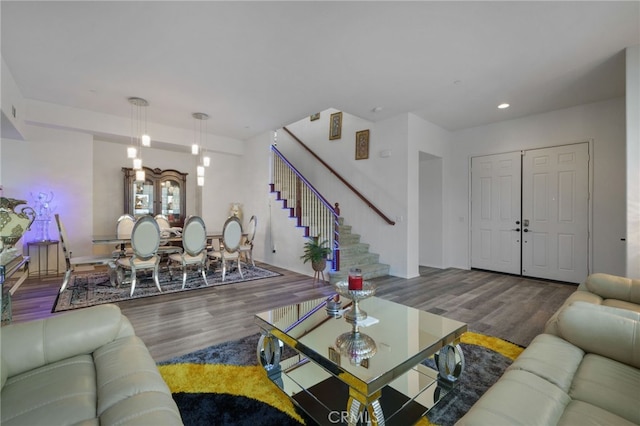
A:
x: 227, y: 252
x: 124, y: 227
x: 73, y: 261
x: 194, y: 254
x: 145, y: 240
x: 246, y: 248
x: 165, y: 232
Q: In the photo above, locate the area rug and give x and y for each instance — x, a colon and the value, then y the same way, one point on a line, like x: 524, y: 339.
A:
x: 88, y: 289
x: 224, y: 385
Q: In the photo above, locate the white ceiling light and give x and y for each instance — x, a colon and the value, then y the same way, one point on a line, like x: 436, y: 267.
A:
x: 196, y: 148
x: 139, y: 136
x: 503, y: 106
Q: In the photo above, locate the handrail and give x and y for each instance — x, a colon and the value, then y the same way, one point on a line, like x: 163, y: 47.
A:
x: 312, y: 210
x: 304, y: 179
x: 336, y: 174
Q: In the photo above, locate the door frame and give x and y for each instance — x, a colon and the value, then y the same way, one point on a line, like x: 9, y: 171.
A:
x: 590, y: 166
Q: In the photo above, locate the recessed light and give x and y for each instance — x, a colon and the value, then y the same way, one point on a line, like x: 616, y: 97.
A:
x: 503, y: 106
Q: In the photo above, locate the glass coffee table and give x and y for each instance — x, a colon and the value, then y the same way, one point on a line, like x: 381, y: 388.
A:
x: 378, y: 380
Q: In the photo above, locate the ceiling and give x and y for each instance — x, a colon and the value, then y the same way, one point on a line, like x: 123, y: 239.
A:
x: 256, y: 66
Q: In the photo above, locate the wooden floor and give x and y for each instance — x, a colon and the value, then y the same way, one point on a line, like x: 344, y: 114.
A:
x: 506, y: 306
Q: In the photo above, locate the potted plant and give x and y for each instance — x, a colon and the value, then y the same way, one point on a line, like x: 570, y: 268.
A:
x: 316, y: 252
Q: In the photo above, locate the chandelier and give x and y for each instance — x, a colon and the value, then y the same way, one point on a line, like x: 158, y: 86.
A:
x: 139, y: 136
x: 196, y: 148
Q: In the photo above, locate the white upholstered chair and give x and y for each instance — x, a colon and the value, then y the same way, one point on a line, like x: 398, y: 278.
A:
x: 145, y: 240
x: 165, y: 232
x: 124, y: 227
x: 228, y: 252
x: 246, y: 248
x: 73, y: 261
x: 194, y: 245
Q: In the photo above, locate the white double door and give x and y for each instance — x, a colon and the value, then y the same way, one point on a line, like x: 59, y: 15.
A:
x: 530, y: 213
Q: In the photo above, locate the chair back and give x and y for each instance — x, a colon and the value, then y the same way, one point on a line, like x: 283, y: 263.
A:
x: 124, y: 226
x: 63, y: 240
x: 194, y: 236
x: 163, y: 223
x: 145, y: 238
x: 232, y: 234
x: 251, y: 233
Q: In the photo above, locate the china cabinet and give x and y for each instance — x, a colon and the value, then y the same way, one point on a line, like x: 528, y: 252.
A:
x: 162, y: 192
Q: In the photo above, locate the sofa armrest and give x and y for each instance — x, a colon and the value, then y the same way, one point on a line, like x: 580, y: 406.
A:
x: 32, y: 344
x: 612, y: 287
x: 610, y: 332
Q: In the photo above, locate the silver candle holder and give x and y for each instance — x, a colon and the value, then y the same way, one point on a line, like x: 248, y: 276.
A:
x: 354, y: 344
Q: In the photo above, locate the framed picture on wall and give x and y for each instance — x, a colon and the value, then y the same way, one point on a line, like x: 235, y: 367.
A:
x: 335, y: 126
x: 362, y: 144
x: 314, y: 117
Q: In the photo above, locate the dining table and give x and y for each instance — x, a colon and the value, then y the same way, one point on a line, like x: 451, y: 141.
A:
x: 113, y: 239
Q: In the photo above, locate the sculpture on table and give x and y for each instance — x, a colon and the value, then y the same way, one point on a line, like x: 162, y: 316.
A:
x: 13, y: 223
x: 43, y: 209
x: 236, y: 210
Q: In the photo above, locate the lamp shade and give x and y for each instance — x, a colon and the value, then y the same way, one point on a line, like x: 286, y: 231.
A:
x: 132, y: 152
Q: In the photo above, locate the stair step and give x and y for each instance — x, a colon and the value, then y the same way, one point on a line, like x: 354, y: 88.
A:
x: 353, y: 249
x: 358, y: 259
x: 368, y: 272
x: 349, y: 239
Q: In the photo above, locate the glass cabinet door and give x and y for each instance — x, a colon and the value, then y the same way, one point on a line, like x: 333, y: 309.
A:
x: 171, y: 199
x: 162, y: 192
x: 143, y: 201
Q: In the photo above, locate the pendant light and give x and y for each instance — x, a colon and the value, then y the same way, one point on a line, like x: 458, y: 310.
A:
x: 196, y: 148
x: 139, y: 136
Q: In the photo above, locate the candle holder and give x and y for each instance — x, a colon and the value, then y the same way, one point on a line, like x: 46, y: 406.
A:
x: 356, y: 314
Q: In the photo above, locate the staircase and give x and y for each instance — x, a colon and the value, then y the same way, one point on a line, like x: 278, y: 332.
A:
x: 355, y: 254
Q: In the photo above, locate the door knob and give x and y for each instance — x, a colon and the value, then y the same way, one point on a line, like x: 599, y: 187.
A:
x: 525, y: 230
x: 517, y: 229
x: 517, y: 222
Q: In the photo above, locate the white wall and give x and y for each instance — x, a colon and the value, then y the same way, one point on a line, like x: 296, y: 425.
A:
x: 431, y: 209
x: 426, y: 195
x: 633, y: 161
x: 602, y: 122
x: 55, y: 161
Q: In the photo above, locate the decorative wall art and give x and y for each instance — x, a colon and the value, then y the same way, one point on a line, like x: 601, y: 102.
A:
x: 314, y: 117
x: 362, y: 144
x: 335, y: 126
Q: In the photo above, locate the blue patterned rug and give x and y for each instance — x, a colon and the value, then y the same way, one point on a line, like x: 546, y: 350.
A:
x: 88, y: 289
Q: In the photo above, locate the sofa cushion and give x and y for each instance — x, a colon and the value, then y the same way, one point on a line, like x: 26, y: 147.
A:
x: 621, y: 304
x: 33, y: 344
x: 63, y: 392
x: 552, y: 359
x: 610, y: 332
x: 608, y: 384
x: 148, y: 408
x: 125, y: 369
x: 583, y: 414
x: 518, y: 398
x: 613, y: 287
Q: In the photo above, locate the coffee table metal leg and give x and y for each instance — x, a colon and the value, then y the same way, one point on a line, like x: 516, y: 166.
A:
x: 450, y: 362
x: 356, y: 409
x: 269, y: 352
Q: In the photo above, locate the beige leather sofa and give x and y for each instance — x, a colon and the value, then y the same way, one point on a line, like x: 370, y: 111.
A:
x: 603, y: 289
x: 584, y: 370
x: 85, y: 367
